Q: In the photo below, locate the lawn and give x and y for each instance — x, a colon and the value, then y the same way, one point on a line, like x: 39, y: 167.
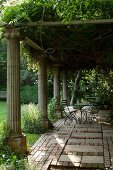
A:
x: 3, y: 111
x: 31, y: 138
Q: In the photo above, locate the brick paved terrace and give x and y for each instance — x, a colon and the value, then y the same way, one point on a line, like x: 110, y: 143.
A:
x: 74, y: 146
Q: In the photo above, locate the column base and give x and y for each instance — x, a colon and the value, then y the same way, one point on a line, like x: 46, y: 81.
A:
x: 47, y: 124
x: 18, y: 143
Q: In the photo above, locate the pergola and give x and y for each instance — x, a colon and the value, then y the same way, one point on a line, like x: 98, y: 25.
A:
x: 68, y: 59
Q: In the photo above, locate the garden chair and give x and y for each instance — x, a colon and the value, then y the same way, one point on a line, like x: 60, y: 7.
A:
x: 89, y: 114
x: 69, y: 111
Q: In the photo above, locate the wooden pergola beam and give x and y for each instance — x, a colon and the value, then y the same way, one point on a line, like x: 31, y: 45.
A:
x: 57, y: 23
x: 37, y: 47
x: 33, y: 44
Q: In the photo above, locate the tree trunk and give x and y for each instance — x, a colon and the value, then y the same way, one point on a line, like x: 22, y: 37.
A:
x: 75, y: 87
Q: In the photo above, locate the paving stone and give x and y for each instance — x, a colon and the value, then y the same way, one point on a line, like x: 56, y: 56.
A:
x: 100, y: 154
x: 63, y: 133
x: 87, y: 129
x: 107, y: 134
x: 76, y: 164
x: 70, y: 126
x: 94, y: 130
x: 76, y: 141
x: 66, y: 129
x: 44, y: 158
x: 54, y: 162
x: 85, y: 145
x: 108, y: 131
x: 107, y: 166
x: 36, y: 155
x: 39, y: 167
x: 38, y: 158
x: 94, y: 141
x: 80, y: 129
x: 83, y: 148
x: 44, y: 153
x: 92, y: 159
x: 34, y: 150
x: 65, y: 163
x: 88, y: 126
x: 46, y: 165
x: 87, y: 135
x: 70, y: 164
x: 70, y: 158
x: 57, y: 141
x: 29, y: 157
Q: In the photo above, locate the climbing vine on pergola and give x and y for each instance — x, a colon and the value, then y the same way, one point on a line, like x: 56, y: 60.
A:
x: 83, y: 46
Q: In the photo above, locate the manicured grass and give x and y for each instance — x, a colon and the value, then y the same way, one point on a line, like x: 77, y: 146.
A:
x: 3, y: 111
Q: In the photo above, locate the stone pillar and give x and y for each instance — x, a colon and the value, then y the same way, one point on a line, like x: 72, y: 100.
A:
x: 65, y: 87
x: 42, y: 91
x: 57, y: 84
x: 16, y: 139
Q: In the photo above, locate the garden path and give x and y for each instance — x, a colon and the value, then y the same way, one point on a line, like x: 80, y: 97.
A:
x: 74, y: 146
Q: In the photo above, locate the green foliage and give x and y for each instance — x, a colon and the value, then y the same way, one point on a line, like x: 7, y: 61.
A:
x: 104, y: 88
x: 105, y: 98
x: 3, y: 111
x: 31, y: 119
x: 79, y: 9
x: 27, y: 76
x: 29, y: 94
x: 3, y: 133
x: 31, y: 139
x: 50, y: 10
x: 66, y: 38
x: 95, y: 84
x: 28, y: 81
x: 52, y: 106
x: 8, y: 158
x: 3, y: 65
x: 28, y: 11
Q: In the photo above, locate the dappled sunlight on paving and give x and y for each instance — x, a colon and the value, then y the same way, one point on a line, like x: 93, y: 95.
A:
x: 74, y: 145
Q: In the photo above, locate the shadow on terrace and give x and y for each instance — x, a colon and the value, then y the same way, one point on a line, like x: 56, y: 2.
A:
x: 74, y: 146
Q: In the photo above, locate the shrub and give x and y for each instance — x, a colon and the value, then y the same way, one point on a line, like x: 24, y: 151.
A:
x: 29, y: 94
x: 31, y: 119
x: 12, y: 160
x: 3, y: 133
x: 51, y: 108
x: 8, y: 158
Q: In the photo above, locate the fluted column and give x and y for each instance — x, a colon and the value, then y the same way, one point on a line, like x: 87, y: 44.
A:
x: 42, y: 90
x: 65, y: 87
x: 13, y: 81
x: 13, y: 88
x: 57, y: 84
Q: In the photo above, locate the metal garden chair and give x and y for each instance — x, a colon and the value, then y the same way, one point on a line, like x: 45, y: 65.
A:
x: 69, y: 111
x: 89, y: 114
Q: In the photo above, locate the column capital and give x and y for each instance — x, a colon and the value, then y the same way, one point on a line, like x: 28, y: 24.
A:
x: 14, y: 33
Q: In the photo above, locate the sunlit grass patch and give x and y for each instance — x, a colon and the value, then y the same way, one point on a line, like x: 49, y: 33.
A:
x: 3, y: 111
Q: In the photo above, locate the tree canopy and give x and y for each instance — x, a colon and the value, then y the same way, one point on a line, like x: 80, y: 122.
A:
x: 72, y: 46
x: 47, y: 10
